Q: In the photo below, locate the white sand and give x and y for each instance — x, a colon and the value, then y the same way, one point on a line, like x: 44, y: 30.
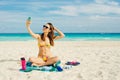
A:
x: 100, y: 60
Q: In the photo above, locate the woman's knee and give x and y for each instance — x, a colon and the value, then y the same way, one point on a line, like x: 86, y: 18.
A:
x: 31, y: 59
x: 56, y: 59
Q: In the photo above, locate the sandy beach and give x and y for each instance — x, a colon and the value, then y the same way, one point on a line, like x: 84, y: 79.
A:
x: 99, y: 60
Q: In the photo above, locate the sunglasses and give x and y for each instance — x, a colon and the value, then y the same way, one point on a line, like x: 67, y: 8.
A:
x: 44, y: 26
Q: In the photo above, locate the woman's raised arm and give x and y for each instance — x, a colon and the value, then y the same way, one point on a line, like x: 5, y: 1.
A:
x: 61, y: 34
x: 30, y: 31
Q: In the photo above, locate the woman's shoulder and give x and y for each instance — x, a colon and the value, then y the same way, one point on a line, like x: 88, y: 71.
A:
x: 39, y: 36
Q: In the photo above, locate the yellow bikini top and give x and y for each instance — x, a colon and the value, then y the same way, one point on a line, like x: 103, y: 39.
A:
x: 43, y: 45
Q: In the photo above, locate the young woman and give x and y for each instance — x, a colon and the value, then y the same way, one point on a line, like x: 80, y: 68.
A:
x: 45, y: 40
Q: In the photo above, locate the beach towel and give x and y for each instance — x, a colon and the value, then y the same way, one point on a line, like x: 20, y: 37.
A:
x: 50, y: 68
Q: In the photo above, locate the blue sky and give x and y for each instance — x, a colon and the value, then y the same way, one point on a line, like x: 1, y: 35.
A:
x: 68, y: 15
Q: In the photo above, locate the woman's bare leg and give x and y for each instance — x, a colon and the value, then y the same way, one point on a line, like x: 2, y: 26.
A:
x: 50, y: 61
x: 40, y: 62
x: 36, y: 61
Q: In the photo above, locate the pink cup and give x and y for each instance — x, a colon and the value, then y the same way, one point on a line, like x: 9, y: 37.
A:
x: 23, y: 63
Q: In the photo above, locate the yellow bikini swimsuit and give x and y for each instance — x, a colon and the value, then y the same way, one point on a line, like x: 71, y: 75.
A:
x: 40, y: 45
x: 45, y: 58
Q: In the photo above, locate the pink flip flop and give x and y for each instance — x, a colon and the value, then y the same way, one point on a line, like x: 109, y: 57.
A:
x: 73, y: 63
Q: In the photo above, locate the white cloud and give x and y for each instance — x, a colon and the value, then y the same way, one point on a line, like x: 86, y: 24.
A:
x: 101, y: 1
x: 113, y: 3
x: 90, y: 9
x: 98, y: 17
x: 109, y: 2
x: 100, y: 9
x: 66, y: 10
x: 12, y: 16
x: 103, y: 18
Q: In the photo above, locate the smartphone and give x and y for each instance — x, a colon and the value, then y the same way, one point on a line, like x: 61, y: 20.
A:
x: 29, y: 19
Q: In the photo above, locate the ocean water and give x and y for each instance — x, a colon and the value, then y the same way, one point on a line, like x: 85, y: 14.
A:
x: 68, y: 36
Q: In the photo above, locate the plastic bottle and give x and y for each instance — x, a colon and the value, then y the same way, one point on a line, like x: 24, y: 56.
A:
x: 59, y: 68
x: 23, y: 63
